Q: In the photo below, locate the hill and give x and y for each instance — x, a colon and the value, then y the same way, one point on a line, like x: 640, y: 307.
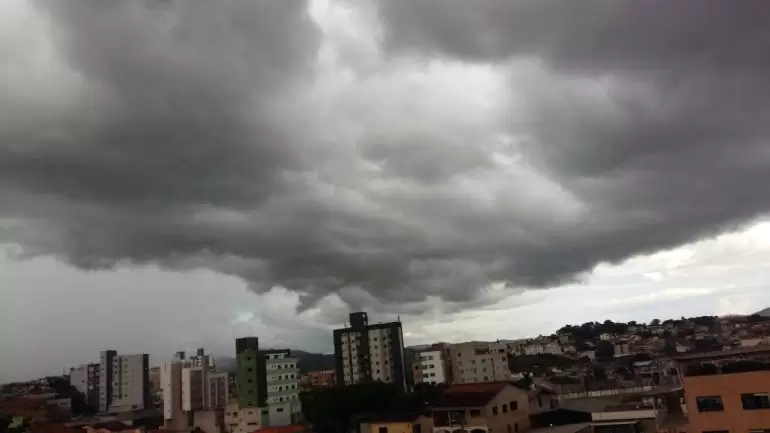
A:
x: 307, y: 362
x: 763, y: 313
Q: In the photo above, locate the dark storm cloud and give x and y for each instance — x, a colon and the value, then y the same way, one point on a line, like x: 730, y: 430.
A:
x: 189, y: 143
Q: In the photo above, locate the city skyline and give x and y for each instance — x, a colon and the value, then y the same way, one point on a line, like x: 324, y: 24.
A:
x: 164, y: 185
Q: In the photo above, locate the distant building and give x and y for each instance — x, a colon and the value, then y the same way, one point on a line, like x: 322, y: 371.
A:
x: 321, y: 379
x: 190, y: 388
x: 369, y: 352
x: 621, y: 348
x: 476, y: 362
x: 124, y: 383
x: 552, y: 348
x: 432, y: 367
x: 534, y: 349
x: 85, y: 379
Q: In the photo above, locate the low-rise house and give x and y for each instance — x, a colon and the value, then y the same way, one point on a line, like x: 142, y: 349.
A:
x: 395, y: 423
x: 621, y: 348
x: 606, y: 337
x: 497, y: 407
x: 553, y: 348
x: 534, y: 349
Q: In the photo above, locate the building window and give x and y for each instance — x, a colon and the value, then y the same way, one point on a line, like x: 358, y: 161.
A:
x: 516, y: 427
x: 280, y: 409
x: 712, y: 403
x: 514, y: 405
x: 382, y: 430
x: 505, y: 409
x: 494, y: 410
x: 475, y: 413
x: 755, y: 401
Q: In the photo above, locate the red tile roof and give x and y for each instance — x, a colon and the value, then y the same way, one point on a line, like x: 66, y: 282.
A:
x: 469, y: 394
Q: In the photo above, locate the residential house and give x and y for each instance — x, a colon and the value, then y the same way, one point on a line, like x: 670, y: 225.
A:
x: 534, y: 349
x: 621, y: 348
x: 606, y: 337
x: 498, y: 407
x: 552, y: 348
x: 396, y: 423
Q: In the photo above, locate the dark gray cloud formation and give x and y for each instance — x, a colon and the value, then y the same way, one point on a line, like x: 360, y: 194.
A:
x: 189, y: 139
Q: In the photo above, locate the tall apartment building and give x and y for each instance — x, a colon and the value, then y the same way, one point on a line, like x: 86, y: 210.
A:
x: 369, y: 353
x: 190, y: 388
x: 252, y: 386
x: 268, y: 388
x: 433, y: 367
x: 727, y: 391
x: 124, y: 382
x: 476, y: 362
x: 85, y: 379
x: 282, y: 377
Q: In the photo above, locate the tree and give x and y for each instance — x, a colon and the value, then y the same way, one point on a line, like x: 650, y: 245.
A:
x: 655, y: 322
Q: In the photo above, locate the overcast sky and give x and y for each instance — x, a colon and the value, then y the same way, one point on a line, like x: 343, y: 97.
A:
x: 176, y: 174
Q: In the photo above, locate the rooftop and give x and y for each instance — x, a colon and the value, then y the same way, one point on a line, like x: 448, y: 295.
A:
x: 470, y: 394
x: 723, y: 353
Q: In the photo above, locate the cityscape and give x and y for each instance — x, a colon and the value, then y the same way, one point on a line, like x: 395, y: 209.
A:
x: 384, y: 216
x: 667, y: 376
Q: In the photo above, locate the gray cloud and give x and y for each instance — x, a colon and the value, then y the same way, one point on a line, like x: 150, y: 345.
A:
x: 191, y: 135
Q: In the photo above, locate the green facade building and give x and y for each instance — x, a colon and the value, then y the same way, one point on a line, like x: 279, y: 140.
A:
x: 251, y: 379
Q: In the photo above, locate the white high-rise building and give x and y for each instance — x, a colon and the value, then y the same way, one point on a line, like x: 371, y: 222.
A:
x: 190, y: 387
x: 85, y: 379
x: 171, y: 384
x: 432, y: 367
x: 366, y: 353
x: 124, y: 382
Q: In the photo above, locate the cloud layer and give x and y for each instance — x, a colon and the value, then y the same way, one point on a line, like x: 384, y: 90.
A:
x: 395, y: 151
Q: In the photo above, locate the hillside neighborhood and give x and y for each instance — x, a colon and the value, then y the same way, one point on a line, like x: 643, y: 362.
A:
x: 580, y: 376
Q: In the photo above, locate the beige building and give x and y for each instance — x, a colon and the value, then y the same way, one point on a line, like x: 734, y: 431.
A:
x: 476, y: 362
x: 496, y: 407
x: 189, y: 388
x: 245, y: 420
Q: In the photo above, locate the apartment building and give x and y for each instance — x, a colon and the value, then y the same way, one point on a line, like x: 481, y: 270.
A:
x: 369, y: 352
x: 433, y: 367
x: 268, y: 388
x: 189, y: 388
x: 85, y: 378
x: 171, y: 384
x: 727, y: 391
x: 124, y: 383
x: 251, y: 385
x: 476, y: 362
x: 282, y: 376
x: 482, y: 408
